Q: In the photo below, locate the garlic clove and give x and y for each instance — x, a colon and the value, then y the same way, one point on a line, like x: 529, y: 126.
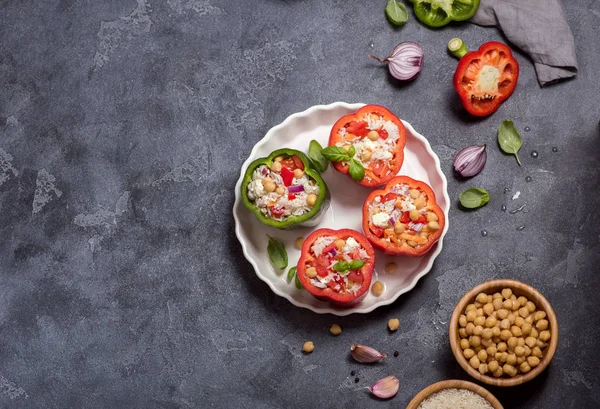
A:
x: 365, y: 354
x: 385, y: 388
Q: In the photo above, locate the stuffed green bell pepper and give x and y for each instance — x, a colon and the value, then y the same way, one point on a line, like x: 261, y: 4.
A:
x: 285, y: 190
x: 437, y: 13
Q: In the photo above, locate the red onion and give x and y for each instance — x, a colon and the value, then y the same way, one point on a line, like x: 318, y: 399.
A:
x: 264, y: 171
x: 470, y: 160
x: 296, y: 189
x: 405, y: 61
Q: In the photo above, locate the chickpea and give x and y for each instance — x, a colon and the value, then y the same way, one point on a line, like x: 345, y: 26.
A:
x: 530, y: 306
x: 482, y: 355
x: 496, y: 332
x: 498, y: 373
x: 373, y: 135
x: 412, y: 243
x: 414, y: 215
x: 537, y: 352
x: 276, y: 167
x: 462, y: 321
x: 468, y: 353
x: 520, y: 360
x: 414, y: 193
x: 524, y: 367
x: 483, y: 369
x: 339, y: 244
x: 269, y: 186
x: 522, y: 301
x: 496, y: 340
x: 481, y: 298
x: 519, y: 321
x: 463, y: 332
x: 489, y: 299
x: 539, y: 315
x: 544, y: 336
x: 346, y: 147
x: 533, y: 361
x: 502, y: 347
x: 471, y: 315
x: 529, y: 320
x: 311, y: 272
x: 526, y: 328
x: 487, y: 333
x: 501, y: 357
x: 516, y: 331
x: 527, y: 350
x: 496, y: 295
x: 311, y: 199
x: 530, y: 342
x: 335, y: 330
x: 540, y: 344
x: 512, y: 318
x: 541, y: 325
x: 511, y: 359
x: 534, y: 333
x: 433, y: 226
x: 505, y: 335
x: 480, y: 312
x: 493, y: 366
x: 470, y: 307
x: 515, y: 307
x: 278, y: 159
x: 507, y: 304
x: 523, y: 312
x: 299, y: 242
x: 394, y: 324
x: 308, y: 347
x: 485, y: 343
x: 519, y: 351
x: 474, y: 362
x: 280, y: 190
x: 506, y: 293
x: 298, y: 173
x: 399, y: 228
x: 377, y: 288
x: 490, y: 322
x: 366, y: 156
x: 420, y: 202
x: 479, y: 321
x: 497, y: 303
x: 491, y: 350
x: 521, y: 341
x: 502, y: 314
x: 432, y: 217
x: 488, y: 309
x: 392, y: 268
x: 475, y: 340
x: 470, y: 328
x: 512, y: 342
x: 505, y: 324
x: 478, y: 330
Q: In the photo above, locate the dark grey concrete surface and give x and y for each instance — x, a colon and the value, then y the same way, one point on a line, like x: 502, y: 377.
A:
x: 123, y: 126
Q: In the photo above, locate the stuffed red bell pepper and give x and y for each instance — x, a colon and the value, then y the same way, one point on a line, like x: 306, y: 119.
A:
x: 336, y: 265
x: 403, y: 218
x: 373, y: 140
x: 485, y: 78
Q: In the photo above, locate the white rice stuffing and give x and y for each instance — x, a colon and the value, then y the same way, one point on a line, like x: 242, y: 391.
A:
x: 455, y: 399
x: 320, y: 244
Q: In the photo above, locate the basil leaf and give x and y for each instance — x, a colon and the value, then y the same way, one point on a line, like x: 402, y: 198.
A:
x: 335, y: 154
x: 509, y: 139
x: 341, y: 266
x: 396, y: 12
x: 351, y: 151
x: 356, y: 264
x: 277, y: 253
x: 314, y: 152
x: 356, y: 170
x: 299, y: 285
x: 291, y: 273
x: 474, y: 198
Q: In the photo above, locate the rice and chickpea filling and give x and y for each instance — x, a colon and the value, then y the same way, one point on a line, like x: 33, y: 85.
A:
x: 276, y: 200
x: 325, y: 252
x: 378, y: 146
x: 403, y: 217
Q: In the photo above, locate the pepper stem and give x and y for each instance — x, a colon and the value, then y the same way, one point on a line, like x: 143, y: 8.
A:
x: 457, y: 48
x: 376, y: 58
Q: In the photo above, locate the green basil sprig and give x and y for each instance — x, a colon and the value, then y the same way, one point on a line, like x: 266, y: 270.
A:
x: 277, y: 253
x: 298, y: 283
x: 291, y: 273
x: 337, y: 154
x: 396, y: 12
x: 314, y: 152
x: 474, y: 198
x: 344, y: 266
x: 509, y: 139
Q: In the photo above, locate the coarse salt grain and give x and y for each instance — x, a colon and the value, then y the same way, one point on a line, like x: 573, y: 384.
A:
x: 455, y: 399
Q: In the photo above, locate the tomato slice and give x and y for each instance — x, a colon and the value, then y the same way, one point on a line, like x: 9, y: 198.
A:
x: 383, y: 134
x: 276, y: 211
x: 357, y: 128
x: 405, y: 218
x: 377, y: 231
x: 388, y: 197
x: 287, y: 175
x: 322, y: 266
x: 421, y: 219
x: 298, y: 162
x: 356, y: 276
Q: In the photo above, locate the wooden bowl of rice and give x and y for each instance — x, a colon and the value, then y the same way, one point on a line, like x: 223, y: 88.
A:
x: 452, y: 394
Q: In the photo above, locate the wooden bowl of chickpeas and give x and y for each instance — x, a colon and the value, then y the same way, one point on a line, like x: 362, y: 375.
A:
x: 503, y: 332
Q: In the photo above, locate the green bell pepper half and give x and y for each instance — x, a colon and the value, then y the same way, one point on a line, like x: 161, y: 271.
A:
x: 308, y: 219
x: 437, y: 13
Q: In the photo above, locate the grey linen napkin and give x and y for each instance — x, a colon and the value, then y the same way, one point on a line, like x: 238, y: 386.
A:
x: 537, y: 27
